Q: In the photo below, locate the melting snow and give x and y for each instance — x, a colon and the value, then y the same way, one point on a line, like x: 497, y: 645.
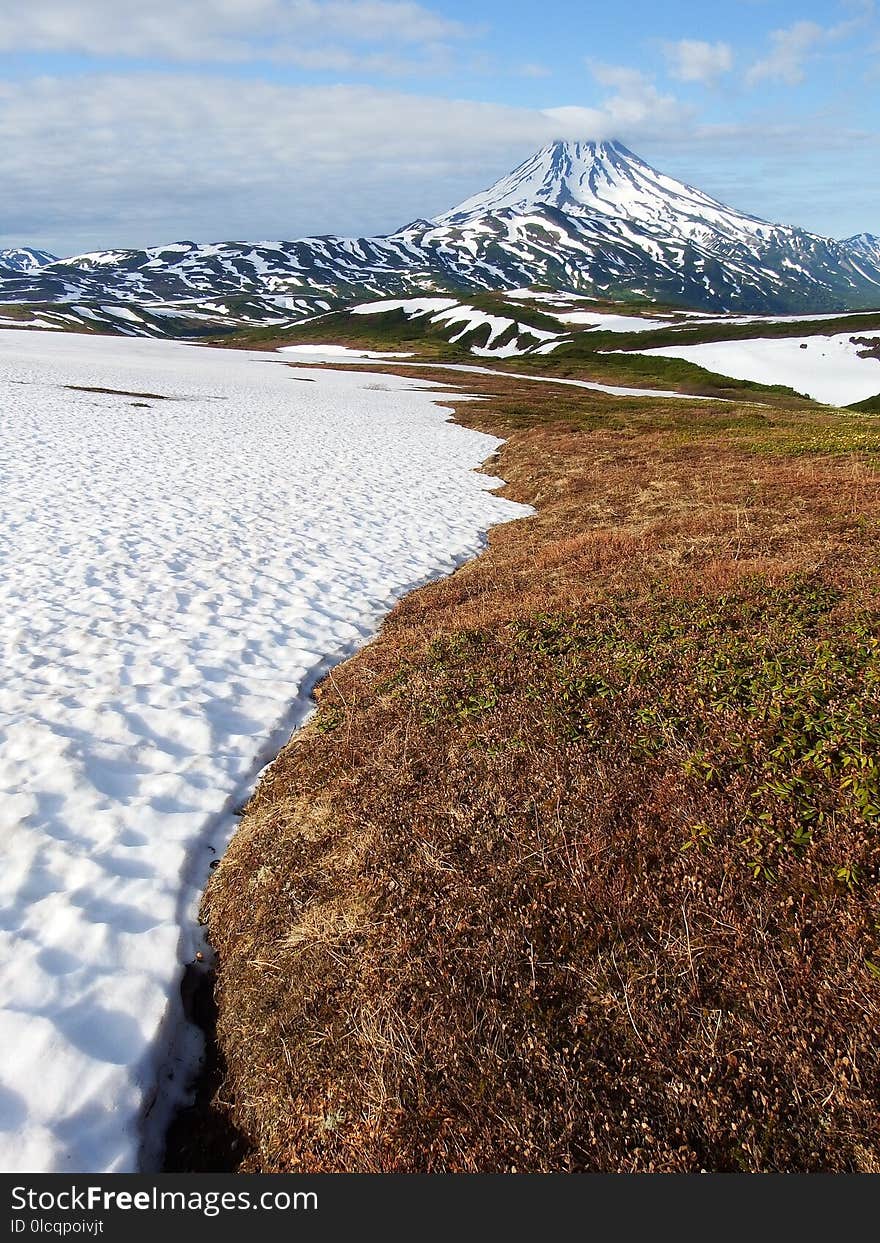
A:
x: 697, y: 318
x: 614, y: 390
x: 448, y: 311
x: 175, y: 574
x: 610, y: 323
x: 829, y: 369
x: 411, y: 307
x: 530, y: 295
x: 335, y: 353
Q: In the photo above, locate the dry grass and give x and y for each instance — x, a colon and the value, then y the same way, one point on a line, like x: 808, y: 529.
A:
x: 575, y: 868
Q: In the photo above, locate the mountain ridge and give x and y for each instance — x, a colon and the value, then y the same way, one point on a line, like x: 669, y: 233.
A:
x: 586, y: 217
x: 25, y: 258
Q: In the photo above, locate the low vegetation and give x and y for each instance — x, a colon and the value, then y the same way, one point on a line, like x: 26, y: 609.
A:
x: 597, y: 356
x: 870, y: 406
x: 727, y: 330
x: 390, y: 331
x: 584, y: 353
x: 575, y: 867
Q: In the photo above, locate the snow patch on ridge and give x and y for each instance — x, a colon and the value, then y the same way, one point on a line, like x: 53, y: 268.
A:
x: 449, y: 312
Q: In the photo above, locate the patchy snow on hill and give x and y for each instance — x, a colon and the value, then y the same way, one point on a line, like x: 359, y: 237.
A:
x: 697, y: 321
x: 447, y: 312
x: 411, y: 307
x: 828, y: 369
x: 176, y: 574
x: 548, y: 298
x: 24, y: 259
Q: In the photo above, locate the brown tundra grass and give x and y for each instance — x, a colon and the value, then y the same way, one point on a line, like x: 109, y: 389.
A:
x: 575, y: 868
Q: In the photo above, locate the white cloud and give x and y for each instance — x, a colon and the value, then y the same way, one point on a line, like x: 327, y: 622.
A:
x: 791, y: 48
x: 636, y: 105
x: 144, y: 158
x: 147, y: 158
x: 222, y: 30
x: 141, y: 158
x: 788, y: 54
x: 692, y: 60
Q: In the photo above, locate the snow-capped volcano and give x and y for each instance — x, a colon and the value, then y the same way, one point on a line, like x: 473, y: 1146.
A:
x: 585, y: 217
x: 607, y: 179
x: 632, y: 229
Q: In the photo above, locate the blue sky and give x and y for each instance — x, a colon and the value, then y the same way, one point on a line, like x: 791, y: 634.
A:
x: 130, y: 124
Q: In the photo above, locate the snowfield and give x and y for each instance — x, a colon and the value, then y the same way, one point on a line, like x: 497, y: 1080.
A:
x: 176, y: 574
x: 829, y: 369
x: 336, y: 353
x: 610, y: 323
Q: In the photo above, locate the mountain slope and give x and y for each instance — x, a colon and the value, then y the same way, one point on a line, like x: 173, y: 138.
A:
x: 681, y: 243
x: 606, y: 179
x: 864, y: 247
x: 24, y: 259
x: 591, y: 218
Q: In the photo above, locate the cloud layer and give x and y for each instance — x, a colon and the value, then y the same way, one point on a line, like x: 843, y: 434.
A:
x: 385, y: 37
x: 138, y: 159
x: 117, y: 160
x: 229, y: 139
